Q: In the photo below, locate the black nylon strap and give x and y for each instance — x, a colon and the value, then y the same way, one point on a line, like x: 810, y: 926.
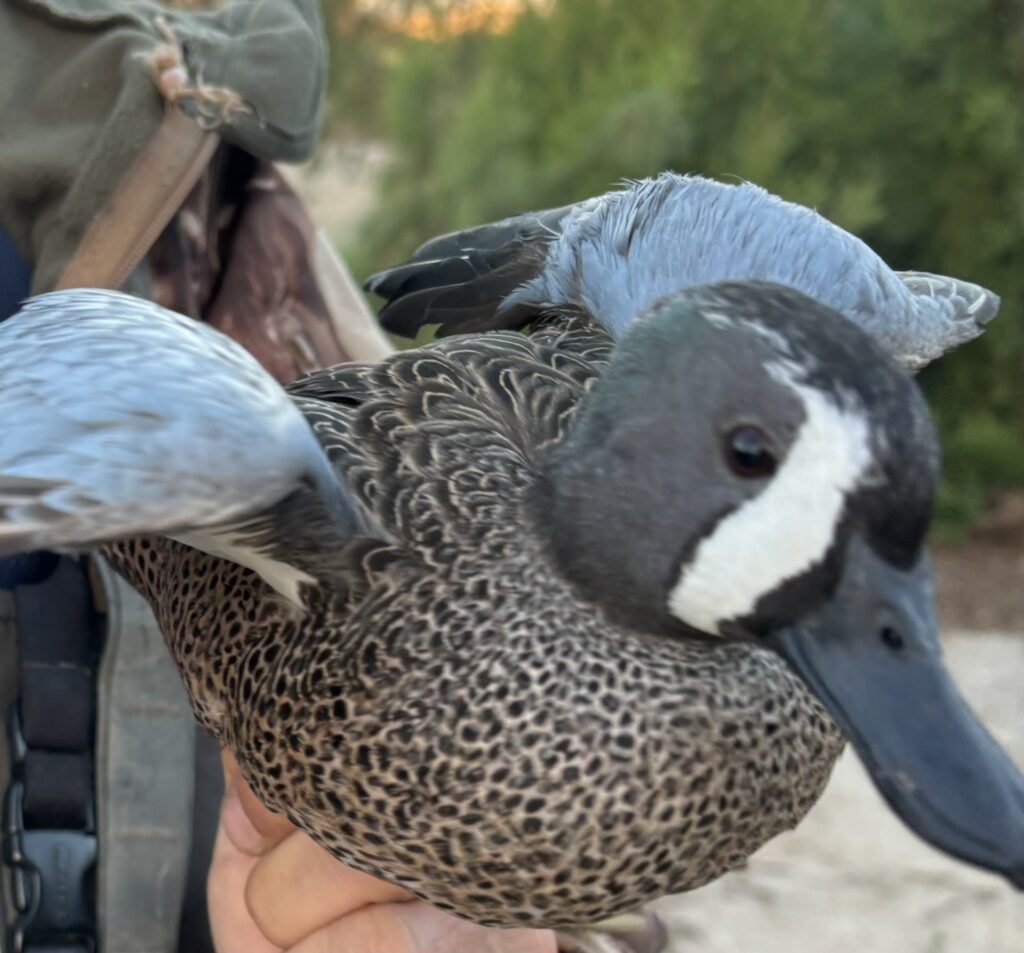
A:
x: 50, y: 839
x: 57, y: 707
x: 56, y: 648
x: 55, y: 617
x: 58, y: 790
x: 58, y: 948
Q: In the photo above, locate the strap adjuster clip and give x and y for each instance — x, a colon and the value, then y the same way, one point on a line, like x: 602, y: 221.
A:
x: 51, y: 874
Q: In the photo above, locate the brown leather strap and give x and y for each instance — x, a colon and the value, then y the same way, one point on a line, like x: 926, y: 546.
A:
x: 145, y: 200
x: 260, y: 294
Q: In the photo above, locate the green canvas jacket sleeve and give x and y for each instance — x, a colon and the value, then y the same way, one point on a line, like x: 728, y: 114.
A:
x: 78, y: 100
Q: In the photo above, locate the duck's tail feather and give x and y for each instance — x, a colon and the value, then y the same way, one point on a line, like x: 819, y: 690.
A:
x: 952, y: 311
x: 122, y: 419
x: 964, y: 301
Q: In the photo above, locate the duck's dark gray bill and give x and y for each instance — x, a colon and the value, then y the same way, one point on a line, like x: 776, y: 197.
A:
x: 872, y: 656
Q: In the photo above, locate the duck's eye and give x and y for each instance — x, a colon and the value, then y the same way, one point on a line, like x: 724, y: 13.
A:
x: 748, y: 452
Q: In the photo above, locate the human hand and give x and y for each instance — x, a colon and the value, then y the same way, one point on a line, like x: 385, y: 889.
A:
x: 271, y: 888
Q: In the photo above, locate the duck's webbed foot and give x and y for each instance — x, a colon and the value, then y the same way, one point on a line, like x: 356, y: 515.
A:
x: 640, y: 932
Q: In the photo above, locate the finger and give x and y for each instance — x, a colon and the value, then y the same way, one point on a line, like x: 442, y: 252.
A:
x: 373, y: 929
x: 433, y: 930
x: 251, y: 827
x: 232, y: 928
x: 297, y: 887
x: 418, y: 928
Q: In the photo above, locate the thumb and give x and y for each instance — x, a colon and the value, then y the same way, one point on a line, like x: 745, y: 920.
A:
x: 252, y: 828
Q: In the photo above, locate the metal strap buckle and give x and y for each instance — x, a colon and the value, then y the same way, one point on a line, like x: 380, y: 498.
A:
x: 51, y: 875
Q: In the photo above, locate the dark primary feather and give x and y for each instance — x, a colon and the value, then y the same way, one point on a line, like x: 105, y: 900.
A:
x: 460, y: 279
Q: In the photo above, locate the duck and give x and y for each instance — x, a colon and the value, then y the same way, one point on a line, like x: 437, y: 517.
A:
x: 611, y: 257
x: 539, y: 626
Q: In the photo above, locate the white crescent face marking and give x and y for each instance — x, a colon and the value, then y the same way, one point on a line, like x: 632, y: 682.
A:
x: 788, y: 527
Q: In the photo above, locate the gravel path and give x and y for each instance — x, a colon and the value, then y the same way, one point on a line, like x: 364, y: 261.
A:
x: 852, y: 879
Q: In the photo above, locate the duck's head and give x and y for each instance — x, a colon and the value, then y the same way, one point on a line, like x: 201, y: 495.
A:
x: 753, y: 466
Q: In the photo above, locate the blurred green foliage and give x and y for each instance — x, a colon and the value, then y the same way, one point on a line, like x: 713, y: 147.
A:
x: 900, y: 120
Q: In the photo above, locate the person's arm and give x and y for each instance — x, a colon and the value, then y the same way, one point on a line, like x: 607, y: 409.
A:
x: 271, y: 888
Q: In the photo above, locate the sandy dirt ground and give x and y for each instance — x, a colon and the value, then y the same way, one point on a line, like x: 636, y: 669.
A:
x: 851, y: 878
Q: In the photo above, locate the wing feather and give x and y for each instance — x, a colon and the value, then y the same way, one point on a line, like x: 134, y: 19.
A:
x: 460, y: 280
x: 122, y: 419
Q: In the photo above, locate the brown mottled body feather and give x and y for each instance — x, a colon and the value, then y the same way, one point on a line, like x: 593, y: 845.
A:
x: 450, y: 714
